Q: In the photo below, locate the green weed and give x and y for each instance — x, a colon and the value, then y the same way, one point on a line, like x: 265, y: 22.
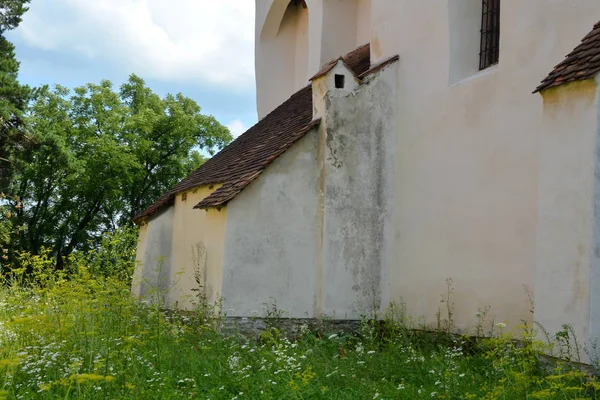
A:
x: 82, y: 336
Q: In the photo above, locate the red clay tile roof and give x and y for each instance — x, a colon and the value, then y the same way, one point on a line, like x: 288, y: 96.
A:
x: 358, y: 61
x: 262, y: 144
x: 243, y: 160
x: 581, y: 64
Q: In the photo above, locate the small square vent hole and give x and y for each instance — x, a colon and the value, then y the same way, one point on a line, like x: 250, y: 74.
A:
x: 339, y: 81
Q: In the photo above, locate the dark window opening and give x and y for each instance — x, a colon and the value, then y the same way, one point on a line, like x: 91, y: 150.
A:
x: 339, y: 81
x: 300, y: 3
x: 490, y: 34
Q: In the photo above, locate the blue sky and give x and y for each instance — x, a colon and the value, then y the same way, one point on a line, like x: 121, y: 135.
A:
x: 201, y: 48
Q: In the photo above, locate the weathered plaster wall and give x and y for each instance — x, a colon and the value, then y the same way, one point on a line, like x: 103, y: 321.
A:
x: 214, y: 240
x: 567, y: 214
x: 180, y: 245
x: 154, y: 257
x: 469, y: 170
x: 196, y: 248
x: 270, y: 241
x: 594, y: 281
x: 138, y: 273
x: 360, y: 129
x: 467, y: 154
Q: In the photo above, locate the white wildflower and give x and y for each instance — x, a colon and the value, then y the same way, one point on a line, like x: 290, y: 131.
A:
x: 359, y: 348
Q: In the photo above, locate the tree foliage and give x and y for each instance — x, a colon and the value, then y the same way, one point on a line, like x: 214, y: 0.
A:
x: 11, y: 12
x: 101, y: 156
x: 13, y: 96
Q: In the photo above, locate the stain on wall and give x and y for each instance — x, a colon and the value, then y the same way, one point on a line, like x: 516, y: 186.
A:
x: 360, y: 129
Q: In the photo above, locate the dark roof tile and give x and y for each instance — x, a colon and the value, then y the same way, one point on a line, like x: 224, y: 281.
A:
x: 581, y: 64
x: 242, y: 160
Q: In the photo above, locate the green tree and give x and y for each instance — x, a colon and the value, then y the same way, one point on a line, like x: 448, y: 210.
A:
x: 13, y: 96
x: 101, y: 156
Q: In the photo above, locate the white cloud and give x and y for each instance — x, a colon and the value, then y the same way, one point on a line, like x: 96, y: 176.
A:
x: 191, y: 41
x: 236, y: 128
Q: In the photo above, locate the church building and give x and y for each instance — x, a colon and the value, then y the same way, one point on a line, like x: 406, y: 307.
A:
x: 402, y: 147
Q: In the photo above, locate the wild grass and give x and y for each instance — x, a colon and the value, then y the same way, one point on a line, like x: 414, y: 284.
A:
x: 82, y: 336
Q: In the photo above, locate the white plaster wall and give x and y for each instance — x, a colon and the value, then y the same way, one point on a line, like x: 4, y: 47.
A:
x: 363, y: 24
x: 467, y: 154
x: 279, y: 60
x: 464, y: 24
x: 359, y: 189
x: 271, y: 237
x: 339, y: 32
x: 567, y: 184
x: 180, y: 252
x: 282, y: 57
x: 301, y: 60
x: 288, y: 53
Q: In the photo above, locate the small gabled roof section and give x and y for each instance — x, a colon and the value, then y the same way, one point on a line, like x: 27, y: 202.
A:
x: 358, y: 61
x: 244, y: 159
x: 581, y: 64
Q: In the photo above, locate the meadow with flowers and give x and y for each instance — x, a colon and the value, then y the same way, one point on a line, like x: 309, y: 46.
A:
x: 77, y: 333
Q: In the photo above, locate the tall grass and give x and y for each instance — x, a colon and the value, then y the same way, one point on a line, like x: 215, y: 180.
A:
x: 83, y: 336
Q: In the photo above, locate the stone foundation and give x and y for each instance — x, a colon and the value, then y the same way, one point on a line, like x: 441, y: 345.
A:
x: 289, y: 327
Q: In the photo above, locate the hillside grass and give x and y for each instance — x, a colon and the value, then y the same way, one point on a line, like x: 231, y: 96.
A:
x: 85, y: 338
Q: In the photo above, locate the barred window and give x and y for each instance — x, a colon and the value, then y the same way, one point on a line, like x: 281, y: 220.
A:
x: 490, y: 33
